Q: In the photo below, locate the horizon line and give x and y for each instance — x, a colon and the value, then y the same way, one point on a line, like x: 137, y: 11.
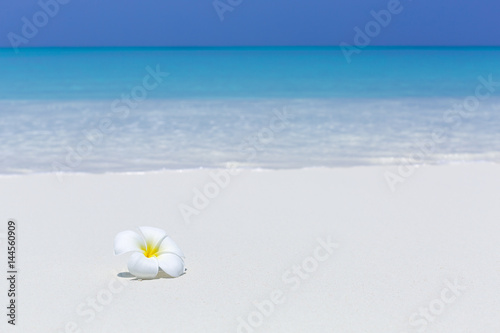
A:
x: 254, y: 47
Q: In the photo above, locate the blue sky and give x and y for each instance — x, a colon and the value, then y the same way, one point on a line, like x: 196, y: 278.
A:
x: 246, y: 22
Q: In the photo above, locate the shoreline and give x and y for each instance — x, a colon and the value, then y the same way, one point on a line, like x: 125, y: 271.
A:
x: 252, y: 168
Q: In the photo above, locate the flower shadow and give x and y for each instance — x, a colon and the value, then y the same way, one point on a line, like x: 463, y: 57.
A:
x: 161, y: 275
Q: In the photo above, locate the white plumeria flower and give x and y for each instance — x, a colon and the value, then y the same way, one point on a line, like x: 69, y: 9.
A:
x: 152, y: 249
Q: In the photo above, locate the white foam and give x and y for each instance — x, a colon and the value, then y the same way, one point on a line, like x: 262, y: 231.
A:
x: 48, y: 136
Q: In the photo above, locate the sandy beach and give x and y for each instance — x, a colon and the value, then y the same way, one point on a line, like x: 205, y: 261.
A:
x: 318, y: 250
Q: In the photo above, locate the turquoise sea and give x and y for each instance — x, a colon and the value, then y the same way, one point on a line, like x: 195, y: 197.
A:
x: 143, y: 109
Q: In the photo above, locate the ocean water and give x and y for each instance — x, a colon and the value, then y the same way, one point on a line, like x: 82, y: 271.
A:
x: 144, y: 109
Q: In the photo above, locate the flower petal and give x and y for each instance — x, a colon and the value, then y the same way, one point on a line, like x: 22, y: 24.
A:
x: 171, y: 264
x: 142, y: 267
x: 168, y: 245
x: 153, y: 236
x: 127, y: 241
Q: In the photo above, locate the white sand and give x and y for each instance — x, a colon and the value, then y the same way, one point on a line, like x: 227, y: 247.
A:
x: 397, y: 250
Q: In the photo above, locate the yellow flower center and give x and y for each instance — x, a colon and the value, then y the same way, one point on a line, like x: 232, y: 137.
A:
x: 150, y: 250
